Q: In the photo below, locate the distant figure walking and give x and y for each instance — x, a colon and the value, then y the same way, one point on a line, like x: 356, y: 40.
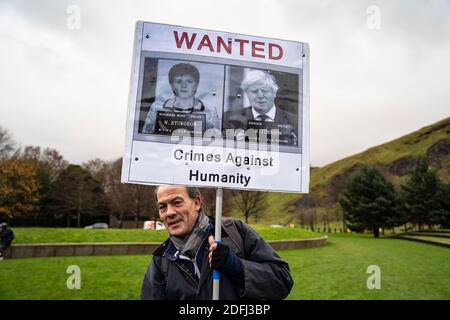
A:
x: 6, y: 238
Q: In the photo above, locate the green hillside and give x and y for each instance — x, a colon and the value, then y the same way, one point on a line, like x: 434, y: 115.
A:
x: 396, y: 159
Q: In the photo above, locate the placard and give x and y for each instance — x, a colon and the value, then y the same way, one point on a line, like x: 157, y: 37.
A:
x: 217, y: 109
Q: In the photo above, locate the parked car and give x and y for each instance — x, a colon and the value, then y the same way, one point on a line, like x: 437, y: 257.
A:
x: 154, y: 225
x: 97, y: 226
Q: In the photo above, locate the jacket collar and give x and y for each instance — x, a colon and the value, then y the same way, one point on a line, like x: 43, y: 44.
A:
x: 171, y: 252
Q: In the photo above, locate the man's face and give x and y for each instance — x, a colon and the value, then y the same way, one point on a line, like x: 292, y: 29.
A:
x: 184, y: 86
x: 261, y: 96
x: 177, y: 210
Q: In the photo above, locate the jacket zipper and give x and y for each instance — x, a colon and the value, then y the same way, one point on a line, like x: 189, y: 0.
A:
x: 187, y: 273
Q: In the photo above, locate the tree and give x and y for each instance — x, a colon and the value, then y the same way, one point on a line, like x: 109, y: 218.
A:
x: 75, y: 193
x: 250, y: 203
x: 53, y: 163
x: 49, y: 163
x: 127, y: 199
x: 19, y: 188
x: 7, y: 144
x: 307, y: 216
x: 420, y: 195
x: 31, y: 153
x: 443, y: 214
x: 209, y: 201
x: 370, y: 202
x: 97, y: 168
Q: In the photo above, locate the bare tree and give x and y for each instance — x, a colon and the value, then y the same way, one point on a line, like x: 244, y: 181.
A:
x: 7, y: 144
x: 96, y: 167
x: 50, y: 162
x: 300, y: 216
x: 250, y: 203
x: 31, y: 153
x: 127, y: 199
x: 53, y: 162
x: 309, y: 218
x: 209, y: 201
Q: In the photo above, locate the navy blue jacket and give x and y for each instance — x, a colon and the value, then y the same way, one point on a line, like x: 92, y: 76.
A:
x: 266, y: 275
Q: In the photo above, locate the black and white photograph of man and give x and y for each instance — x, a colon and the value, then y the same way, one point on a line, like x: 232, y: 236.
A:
x: 259, y: 106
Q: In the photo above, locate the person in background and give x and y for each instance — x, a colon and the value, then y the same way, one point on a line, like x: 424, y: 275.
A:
x: 6, y: 238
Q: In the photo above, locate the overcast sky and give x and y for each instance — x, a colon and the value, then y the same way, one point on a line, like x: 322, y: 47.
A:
x: 379, y: 69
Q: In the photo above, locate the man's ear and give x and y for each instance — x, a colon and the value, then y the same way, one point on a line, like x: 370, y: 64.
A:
x: 197, y: 203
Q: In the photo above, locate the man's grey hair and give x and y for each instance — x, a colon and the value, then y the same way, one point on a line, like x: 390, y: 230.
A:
x: 258, y: 75
x: 193, y: 192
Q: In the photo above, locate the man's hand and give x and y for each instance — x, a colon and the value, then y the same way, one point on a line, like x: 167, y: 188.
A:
x: 218, y: 254
x: 223, y: 259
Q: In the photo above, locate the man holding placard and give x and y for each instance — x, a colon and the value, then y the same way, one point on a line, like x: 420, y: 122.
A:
x: 181, y: 267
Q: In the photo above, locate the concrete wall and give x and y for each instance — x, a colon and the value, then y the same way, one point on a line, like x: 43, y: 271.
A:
x: 296, y: 244
x: 38, y: 250
x: 429, y: 241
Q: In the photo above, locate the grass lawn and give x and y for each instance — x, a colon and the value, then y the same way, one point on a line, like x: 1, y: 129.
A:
x: 52, y: 235
x: 409, y: 270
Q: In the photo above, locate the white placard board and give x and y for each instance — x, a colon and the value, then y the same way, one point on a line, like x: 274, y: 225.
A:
x: 217, y: 109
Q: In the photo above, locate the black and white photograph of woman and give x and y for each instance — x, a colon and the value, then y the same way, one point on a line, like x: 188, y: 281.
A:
x: 186, y: 94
